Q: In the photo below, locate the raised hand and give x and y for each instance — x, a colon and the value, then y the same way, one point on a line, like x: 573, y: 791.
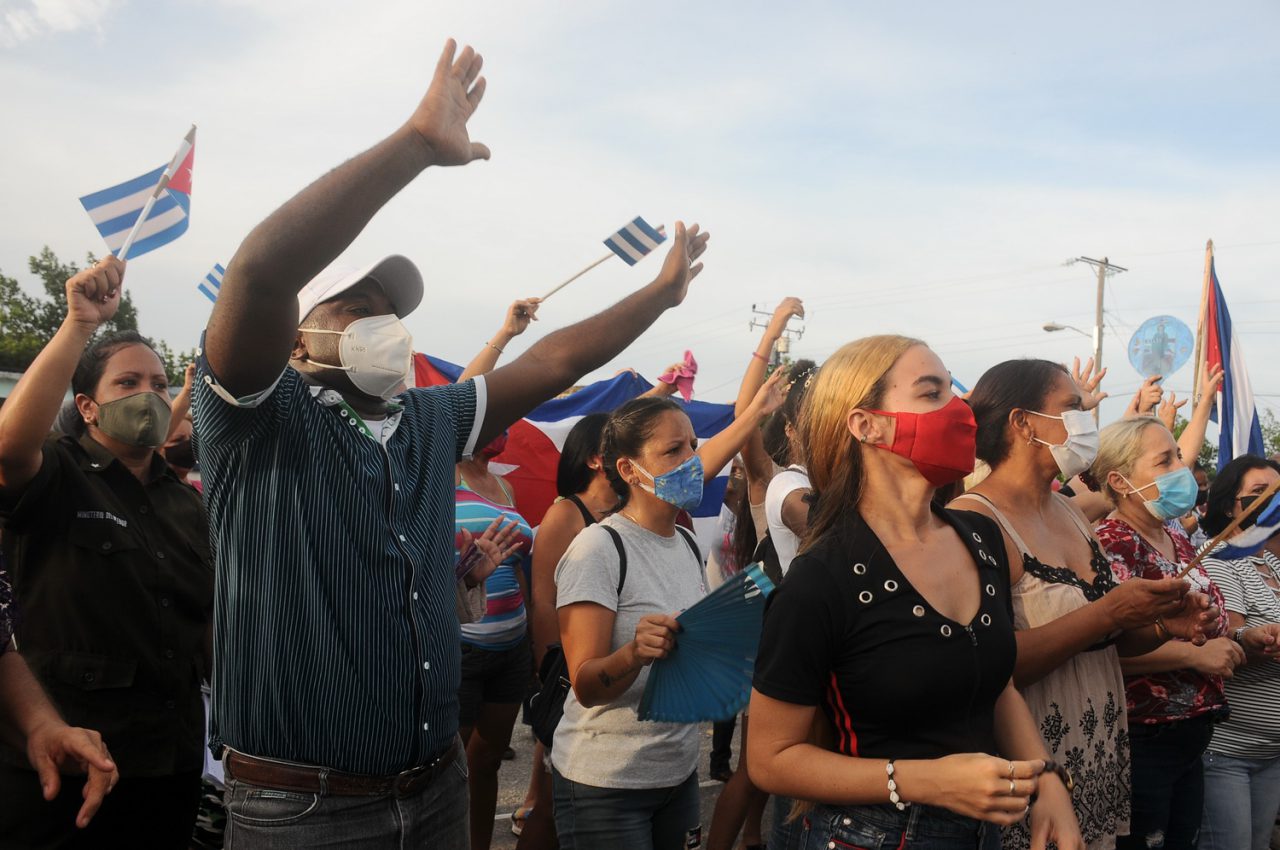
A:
x: 1210, y: 382
x: 519, y: 315
x: 93, y: 295
x: 1169, y: 407
x: 1088, y: 383
x: 482, y: 555
x: 55, y: 748
x: 787, y: 307
x: 441, y: 118
x: 773, y: 392
x: 1146, y: 398
x: 681, y: 265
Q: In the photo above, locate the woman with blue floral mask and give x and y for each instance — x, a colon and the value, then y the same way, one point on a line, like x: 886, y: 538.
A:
x: 1174, y: 693
x: 618, y: 781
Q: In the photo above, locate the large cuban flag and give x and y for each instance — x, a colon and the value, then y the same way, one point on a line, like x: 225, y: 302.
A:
x: 1239, y: 431
x: 534, y: 444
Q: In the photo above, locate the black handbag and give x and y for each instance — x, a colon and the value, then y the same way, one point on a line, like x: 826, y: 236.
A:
x: 546, y: 707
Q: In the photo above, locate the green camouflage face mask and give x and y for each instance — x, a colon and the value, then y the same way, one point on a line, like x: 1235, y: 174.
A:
x: 141, y: 419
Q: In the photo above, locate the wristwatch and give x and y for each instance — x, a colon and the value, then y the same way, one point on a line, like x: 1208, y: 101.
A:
x: 1238, y: 635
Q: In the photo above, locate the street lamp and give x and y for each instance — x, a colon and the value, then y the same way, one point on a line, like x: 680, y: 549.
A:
x: 1054, y: 326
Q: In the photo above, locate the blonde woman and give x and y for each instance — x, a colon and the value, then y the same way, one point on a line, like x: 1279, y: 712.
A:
x: 893, y: 631
x: 1174, y: 694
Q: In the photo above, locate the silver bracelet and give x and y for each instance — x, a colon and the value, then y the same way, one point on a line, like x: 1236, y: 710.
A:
x: 494, y: 347
x: 893, y: 788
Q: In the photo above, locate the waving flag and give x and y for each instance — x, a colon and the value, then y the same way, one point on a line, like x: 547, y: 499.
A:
x: 1266, y: 525
x: 1239, y: 431
x: 163, y: 195
x: 533, y: 445
x: 212, y: 282
x: 634, y: 241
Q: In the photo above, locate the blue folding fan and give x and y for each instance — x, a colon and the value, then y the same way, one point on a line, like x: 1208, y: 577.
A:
x: 708, y: 675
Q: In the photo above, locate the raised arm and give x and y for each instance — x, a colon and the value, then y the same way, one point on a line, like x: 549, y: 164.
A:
x: 720, y: 449
x: 1192, y: 437
x: 759, y: 466
x: 93, y: 296
x: 557, y: 360
x: 255, y: 320
x: 519, y: 315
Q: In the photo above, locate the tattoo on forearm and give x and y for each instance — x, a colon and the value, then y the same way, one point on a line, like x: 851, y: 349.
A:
x: 609, y: 681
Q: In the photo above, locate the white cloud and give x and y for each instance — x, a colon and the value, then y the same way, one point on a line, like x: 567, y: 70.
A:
x: 24, y: 21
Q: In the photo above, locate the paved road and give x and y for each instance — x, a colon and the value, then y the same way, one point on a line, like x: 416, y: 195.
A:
x: 513, y: 780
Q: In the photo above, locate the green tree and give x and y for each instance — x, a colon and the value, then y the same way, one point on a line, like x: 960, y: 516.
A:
x: 27, y: 323
x: 1270, y: 433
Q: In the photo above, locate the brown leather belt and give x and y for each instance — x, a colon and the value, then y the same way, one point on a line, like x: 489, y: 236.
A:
x: 290, y: 776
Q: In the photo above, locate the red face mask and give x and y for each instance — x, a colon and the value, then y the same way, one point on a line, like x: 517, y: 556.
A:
x: 941, y: 443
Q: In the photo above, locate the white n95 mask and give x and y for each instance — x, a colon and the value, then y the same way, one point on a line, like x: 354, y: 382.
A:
x: 375, y: 352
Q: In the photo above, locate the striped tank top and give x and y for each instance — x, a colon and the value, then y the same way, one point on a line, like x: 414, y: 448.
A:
x: 505, y: 621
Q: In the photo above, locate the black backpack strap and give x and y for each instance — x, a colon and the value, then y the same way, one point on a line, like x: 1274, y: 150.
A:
x: 693, y: 544
x: 622, y: 556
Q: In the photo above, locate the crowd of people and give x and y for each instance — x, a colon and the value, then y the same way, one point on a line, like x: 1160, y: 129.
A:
x: 983, y: 632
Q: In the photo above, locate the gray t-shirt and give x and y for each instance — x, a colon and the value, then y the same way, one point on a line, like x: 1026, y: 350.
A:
x: 608, y: 746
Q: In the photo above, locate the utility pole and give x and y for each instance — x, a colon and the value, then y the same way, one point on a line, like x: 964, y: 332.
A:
x: 783, y: 345
x: 1105, y: 270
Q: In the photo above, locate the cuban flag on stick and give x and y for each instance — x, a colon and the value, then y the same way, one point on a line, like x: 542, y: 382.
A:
x: 212, y: 282
x: 144, y: 213
x: 533, y: 444
x: 635, y: 240
x: 1230, y: 544
x: 1239, y: 431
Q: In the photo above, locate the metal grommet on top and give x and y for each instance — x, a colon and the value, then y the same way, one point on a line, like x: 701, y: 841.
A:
x: 859, y: 569
x: 985, y: 619
x: 991, y: 590
x: 864, y: 597
x: 847, y: 821
x: 918, y: 610
x: 977, y: 538
x: 891, y: 585
x: 946, y: 630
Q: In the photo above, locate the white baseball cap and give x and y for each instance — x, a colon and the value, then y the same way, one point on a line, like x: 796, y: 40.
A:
x: 396, y: 274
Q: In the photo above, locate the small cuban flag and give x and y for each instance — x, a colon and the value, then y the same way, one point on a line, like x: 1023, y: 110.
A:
x: 162, y: 195
x: 634, y: 241
x: 1266, y: 525
x: 211, y: 285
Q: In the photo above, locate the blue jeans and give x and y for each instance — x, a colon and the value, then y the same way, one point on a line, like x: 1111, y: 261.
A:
x: 261, y: 818
x: 588, y: 817
x: 883, y: 827
x: 1168, y: 784
x: 1241, y: 799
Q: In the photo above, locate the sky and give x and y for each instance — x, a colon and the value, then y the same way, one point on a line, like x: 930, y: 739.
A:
x: 919, y: 168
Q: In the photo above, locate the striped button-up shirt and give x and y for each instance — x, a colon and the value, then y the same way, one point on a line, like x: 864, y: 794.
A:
x: 335, y: 632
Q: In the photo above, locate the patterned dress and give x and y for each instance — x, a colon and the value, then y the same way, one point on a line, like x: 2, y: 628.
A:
x: 1080, y: 706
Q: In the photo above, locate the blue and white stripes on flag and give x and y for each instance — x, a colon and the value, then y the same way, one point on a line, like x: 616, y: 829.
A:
x: 115, y: 210
x: 1239, y: 431
x: 634, y: 241
x: 211, y: 285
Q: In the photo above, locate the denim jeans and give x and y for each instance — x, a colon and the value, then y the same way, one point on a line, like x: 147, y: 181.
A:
x: 1168, y: 784
x: 1241, y: 800
x: 883, y: 827
x: 588, y: 817
x: 435, y: 816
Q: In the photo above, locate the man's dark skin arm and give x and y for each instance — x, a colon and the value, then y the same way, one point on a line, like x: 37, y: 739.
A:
x: 254, y: 324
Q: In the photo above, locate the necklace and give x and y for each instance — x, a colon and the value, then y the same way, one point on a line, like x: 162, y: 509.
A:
x: 633, y: 519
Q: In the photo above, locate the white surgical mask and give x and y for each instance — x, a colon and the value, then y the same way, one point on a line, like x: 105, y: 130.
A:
x: 375, y: 352
x: 1081, y: 447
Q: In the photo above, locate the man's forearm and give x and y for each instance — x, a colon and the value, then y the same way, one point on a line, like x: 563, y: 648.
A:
x: 23, y: 703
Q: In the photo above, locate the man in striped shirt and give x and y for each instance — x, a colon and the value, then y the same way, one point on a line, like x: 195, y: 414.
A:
x: 331, y: 505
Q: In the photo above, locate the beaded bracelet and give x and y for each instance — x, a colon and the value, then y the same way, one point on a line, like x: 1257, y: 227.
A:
x: 759, y: 356
x: 893, y: 788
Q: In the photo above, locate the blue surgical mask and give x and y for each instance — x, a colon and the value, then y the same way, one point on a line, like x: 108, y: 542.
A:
x: 1178, y: 491
x: 681, y: 486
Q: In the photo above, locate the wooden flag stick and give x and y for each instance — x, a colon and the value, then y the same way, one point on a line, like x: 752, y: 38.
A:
x: 188, y: 142
x: 1232, y: 528
x: 578, y: 275
x: 1201, y: 353
x: 661, y: 229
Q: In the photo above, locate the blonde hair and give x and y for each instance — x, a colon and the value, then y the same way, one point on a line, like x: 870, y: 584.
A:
x: 1119, y: 447
x: 852, y: 377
